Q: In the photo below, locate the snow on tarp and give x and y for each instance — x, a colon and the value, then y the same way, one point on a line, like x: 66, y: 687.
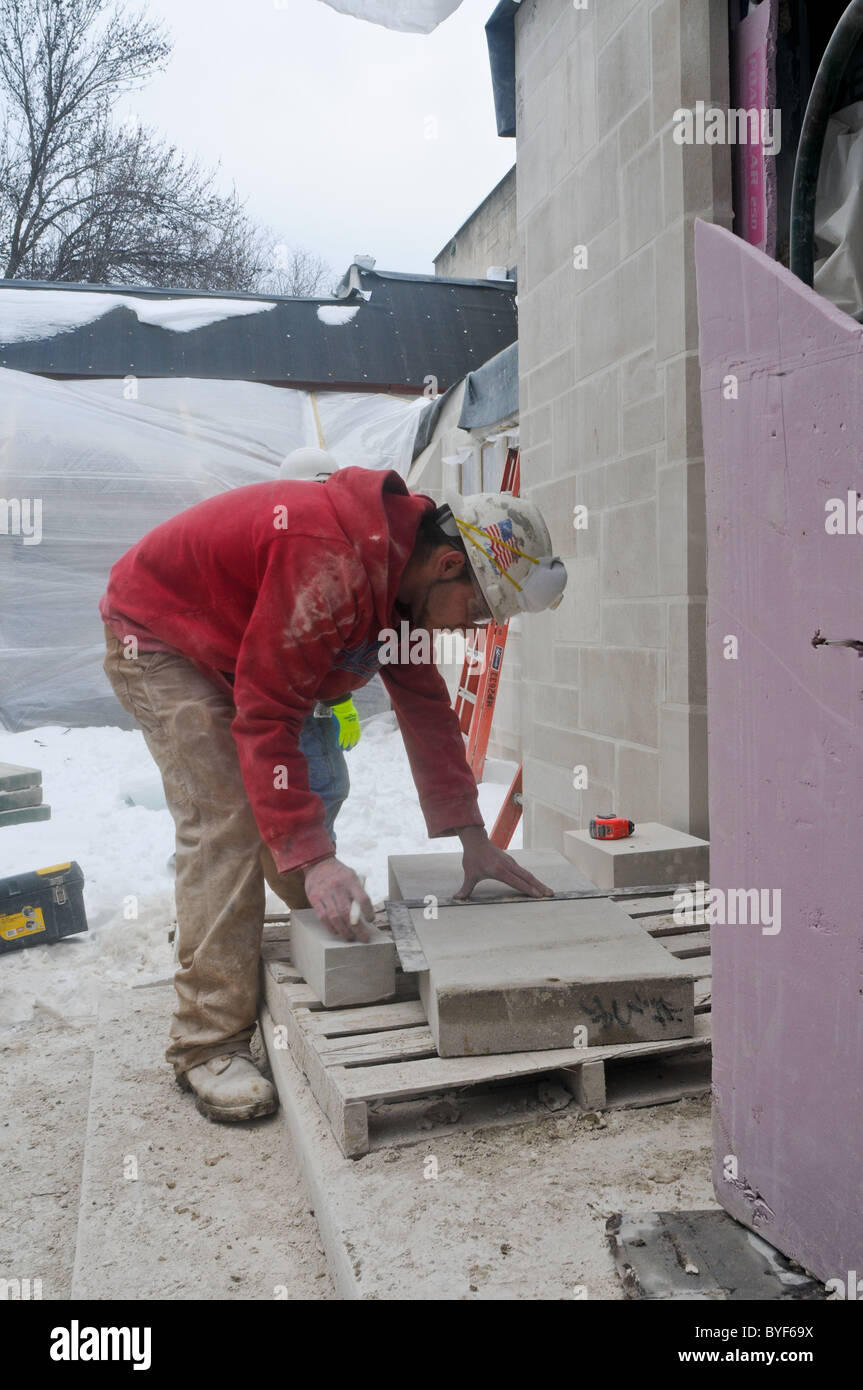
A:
x: 104, y: 470
x: 337, y: 314
x: 409, y: 16
x: 30, y: 315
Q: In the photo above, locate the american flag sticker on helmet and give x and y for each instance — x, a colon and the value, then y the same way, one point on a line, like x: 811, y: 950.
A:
x: 498, y: 534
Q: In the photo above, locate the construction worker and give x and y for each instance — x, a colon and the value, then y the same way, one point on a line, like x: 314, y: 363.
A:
x: 334, y: 725
x: 223, y: 627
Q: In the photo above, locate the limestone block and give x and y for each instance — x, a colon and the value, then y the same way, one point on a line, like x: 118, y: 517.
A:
x: 511, y: 977
x: 525, y: 977
x: 416, y: 875
x: 342, y: 972
x: 653, y: 854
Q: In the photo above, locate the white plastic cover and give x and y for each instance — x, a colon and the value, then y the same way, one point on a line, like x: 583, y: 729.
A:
x: 839, y: 212
x: 409, y: 16
x: 99, y: 471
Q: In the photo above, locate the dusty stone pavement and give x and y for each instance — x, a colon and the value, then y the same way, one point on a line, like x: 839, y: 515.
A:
x: 220, y: 1211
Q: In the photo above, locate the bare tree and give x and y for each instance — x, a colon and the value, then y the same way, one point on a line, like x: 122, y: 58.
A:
x: 84, y: 199
x: 292, y: 270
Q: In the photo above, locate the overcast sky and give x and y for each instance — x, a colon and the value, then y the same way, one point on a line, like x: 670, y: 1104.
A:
x: 326, y: 124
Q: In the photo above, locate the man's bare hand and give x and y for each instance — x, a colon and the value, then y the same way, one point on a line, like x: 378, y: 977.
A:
x: 482, y: 859
x: 331, y: 888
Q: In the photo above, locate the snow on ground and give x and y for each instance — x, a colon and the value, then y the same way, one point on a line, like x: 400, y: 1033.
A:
x: 124, y: 850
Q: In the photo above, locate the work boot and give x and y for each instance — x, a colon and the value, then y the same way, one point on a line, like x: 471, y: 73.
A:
x: 229, y: 1088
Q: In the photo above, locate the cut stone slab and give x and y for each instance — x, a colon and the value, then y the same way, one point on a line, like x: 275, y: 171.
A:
x: 652, y: 854
x: 702, y: 1255
x: 523, y: 977
x: 23, y: 814
x: 13, y: 777
x: 342, y: 972
x: 25, y: 796
x: 417, y: 875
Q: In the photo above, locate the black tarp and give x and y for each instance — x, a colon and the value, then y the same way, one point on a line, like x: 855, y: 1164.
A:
x: 500, y: 36
x: 410, y: 329
x: 491, y: 392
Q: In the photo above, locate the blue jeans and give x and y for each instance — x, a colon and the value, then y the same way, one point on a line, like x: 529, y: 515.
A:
x: 328, y: 768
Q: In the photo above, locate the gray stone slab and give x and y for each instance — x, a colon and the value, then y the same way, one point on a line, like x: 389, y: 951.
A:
x: 26, y: 796
x: 523, y: 977
x: 653, y: 854
x: 342, y: 972
x: 416, y: 875
x: 24, y: 814
x: 13, y: 777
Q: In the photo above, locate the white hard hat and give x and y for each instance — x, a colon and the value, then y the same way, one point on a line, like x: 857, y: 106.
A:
x: 509, y: 549
x: 307, y: 463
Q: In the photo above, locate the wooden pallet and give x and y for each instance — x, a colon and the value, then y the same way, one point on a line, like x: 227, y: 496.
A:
x: 358, y: 1060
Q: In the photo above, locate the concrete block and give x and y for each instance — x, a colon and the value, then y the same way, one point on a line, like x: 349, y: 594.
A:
x: 577, y: 618
x: 623, y: 71
x: 642, y: 210
x: 665, y: 61
x: 631, y: 479
x: 643, y: 424
x: 599, y: 413
x: 682, y: 522
x: 637, y: 784
x: 683, y: 763
x: 553, y: 784
x: 525, y: 976
x: 653, y: 854
x: 620, y: 694
x: 342, y: 972
x: 683, y: 408
x: 638, y: 377
x: 633, y: 623
x: 635, y: 131
x: 629, y: 561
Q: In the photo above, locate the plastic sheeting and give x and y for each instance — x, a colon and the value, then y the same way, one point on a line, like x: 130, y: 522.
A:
x: 409, y: 16
x: 839, y: 212
x: 105, y: 470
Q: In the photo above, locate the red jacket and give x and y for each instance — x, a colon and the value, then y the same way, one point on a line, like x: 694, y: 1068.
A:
x: 285, y: 587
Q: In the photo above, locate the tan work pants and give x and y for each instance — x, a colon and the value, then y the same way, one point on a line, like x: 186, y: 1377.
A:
x: 221, y: 861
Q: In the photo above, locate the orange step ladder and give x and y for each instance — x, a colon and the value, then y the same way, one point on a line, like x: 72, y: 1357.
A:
x: 477, y: 690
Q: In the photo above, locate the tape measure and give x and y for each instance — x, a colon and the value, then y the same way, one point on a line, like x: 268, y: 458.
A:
x: 611, y: 827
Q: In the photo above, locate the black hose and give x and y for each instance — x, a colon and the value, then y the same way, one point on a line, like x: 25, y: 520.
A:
x: 819, y: 109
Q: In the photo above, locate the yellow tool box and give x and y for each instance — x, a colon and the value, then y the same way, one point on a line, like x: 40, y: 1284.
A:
x: 41, y: 906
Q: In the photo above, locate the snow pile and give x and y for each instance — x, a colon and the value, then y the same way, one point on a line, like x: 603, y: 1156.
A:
x: 29, y: 315
x: 124, y: 850
x: 337, y: 314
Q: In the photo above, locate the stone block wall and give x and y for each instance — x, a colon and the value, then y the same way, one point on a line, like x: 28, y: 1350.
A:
x: 488, y: 237
x: 614, y: 680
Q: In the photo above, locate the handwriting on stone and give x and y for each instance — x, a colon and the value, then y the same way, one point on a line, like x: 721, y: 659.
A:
x: 622, y: 1011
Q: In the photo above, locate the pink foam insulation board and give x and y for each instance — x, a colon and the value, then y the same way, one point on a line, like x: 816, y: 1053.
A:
x: 782, y: 397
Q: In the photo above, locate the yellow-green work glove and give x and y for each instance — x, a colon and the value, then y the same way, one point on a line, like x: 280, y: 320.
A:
x: 349, y: 723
